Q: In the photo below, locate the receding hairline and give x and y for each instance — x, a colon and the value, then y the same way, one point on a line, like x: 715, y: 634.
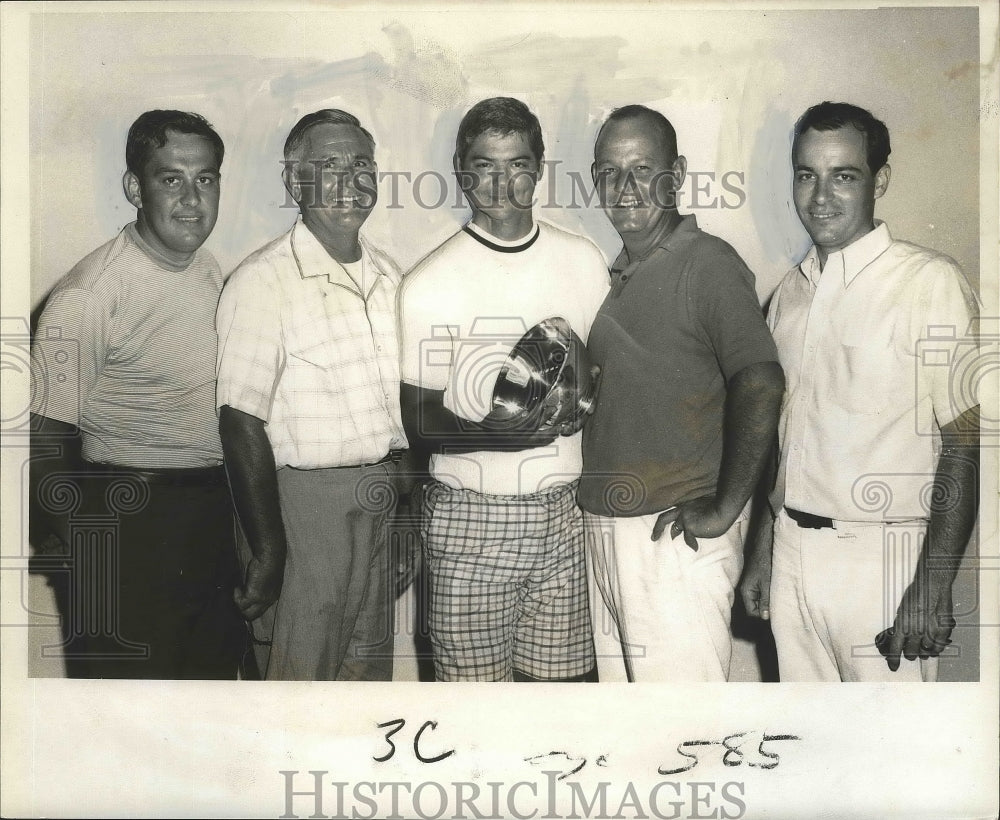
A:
x: 294, y: 151
x: 665, y: 135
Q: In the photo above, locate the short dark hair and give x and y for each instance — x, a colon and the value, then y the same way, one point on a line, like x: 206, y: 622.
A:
x: 667, y: 134
x: 334, y: 116
x: 504, y: 115
x: 149, y: 132
x: 829, y: 116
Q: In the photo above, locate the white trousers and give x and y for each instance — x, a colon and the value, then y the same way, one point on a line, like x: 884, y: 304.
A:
x: 833, y: 591
x: 661, y: 610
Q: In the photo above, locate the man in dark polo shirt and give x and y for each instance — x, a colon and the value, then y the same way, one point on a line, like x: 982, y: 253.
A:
x: 687, y: 411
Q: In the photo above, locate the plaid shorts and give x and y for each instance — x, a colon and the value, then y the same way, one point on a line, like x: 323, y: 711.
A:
x: 508, y: 585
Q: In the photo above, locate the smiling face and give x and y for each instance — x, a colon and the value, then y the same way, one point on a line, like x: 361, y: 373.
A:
x: 637, y: 174
x: 177, y: 195
x: 834, y: 189
x: 342, y: 158
x: 498, y: 174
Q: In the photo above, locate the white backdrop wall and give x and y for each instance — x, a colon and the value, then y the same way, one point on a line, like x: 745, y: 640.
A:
x: 733, y: 81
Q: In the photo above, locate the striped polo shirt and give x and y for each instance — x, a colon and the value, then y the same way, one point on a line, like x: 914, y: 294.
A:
x: 126, y: 349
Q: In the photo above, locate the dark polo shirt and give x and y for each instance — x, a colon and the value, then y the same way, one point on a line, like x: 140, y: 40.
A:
x: 676, y: 326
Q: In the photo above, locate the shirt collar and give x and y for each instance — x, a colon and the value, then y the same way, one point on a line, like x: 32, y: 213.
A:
x: 313, y: 260
x: 503, y: 245
x: 132, y: 229
x: 854, y: 258
x: 668, y: 240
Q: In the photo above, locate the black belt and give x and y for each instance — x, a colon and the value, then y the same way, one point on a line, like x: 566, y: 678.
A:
x: 395, y: 456
x: 808, y: 520
x: 821, y: 522
x: 174, y: 477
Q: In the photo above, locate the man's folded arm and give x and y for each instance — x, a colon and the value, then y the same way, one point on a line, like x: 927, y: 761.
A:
x: 750, y: 425
x: 433, y: 428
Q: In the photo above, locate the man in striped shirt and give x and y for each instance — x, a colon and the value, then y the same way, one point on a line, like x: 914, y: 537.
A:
x: 127, y: 463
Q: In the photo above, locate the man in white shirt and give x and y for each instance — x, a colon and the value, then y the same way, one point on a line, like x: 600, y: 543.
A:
x: 309, y: 415
x: 876, y: 490
x: 503, y: 537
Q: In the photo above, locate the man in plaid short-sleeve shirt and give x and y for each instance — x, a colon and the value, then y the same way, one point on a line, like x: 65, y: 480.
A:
x: 309, y: 415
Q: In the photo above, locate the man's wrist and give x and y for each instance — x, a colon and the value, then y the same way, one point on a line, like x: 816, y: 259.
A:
x: 271, y: 558
x: 729, y: 509
x: 941, y: 576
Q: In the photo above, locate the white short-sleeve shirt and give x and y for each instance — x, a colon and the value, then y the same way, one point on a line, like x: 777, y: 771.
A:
x: 873, y: 351
x: 462, y: 310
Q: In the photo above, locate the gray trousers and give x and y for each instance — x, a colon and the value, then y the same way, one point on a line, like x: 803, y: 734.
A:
x: 333, y: 620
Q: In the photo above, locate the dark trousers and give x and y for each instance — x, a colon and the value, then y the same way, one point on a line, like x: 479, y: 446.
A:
x: 148, y: 592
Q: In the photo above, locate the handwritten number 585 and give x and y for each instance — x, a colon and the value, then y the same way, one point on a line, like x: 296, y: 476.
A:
x: 733, y: 754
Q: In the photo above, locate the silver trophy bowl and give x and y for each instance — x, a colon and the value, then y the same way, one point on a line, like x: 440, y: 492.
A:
x: 549, y: 366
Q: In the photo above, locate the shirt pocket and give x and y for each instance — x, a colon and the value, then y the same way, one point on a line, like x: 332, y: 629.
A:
x: 321, y: 352
x: 867, y: 376
x: 325, y: 340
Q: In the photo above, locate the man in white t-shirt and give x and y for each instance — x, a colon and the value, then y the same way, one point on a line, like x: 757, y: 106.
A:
x: 503, y: 537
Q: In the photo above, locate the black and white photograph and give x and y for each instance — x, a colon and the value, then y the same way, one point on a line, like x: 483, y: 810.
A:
x: 364, y: 363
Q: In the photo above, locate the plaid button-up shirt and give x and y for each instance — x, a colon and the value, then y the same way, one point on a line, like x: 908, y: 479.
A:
x: 312, y: 353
